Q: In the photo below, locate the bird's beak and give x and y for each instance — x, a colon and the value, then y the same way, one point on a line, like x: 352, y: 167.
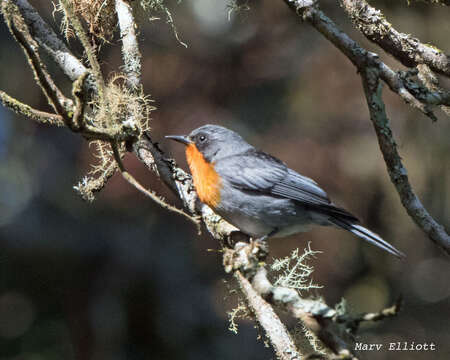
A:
x: 180, y: 138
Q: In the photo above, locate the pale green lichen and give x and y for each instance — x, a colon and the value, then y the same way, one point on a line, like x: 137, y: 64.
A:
x: 294, y: 272
x: 239, y: 312
x: 99, y: 15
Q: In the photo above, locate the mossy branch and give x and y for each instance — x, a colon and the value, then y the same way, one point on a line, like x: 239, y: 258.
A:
x: 372, y: 70
x: 21, y: 34
x: 89, y: 50
x: 27, y: 111
x: 405, y: 48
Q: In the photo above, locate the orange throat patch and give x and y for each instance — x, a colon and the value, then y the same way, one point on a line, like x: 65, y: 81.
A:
x: 206, y: 180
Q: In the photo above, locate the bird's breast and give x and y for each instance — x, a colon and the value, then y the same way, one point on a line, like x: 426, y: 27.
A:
x: 206, y: 180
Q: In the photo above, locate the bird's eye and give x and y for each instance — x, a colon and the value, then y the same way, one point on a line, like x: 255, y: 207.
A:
x: 202, y: 138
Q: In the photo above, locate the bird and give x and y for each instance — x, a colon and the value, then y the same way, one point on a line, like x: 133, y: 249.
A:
x: 258, y: 193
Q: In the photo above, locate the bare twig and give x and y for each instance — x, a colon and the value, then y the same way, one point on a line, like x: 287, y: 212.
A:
x: 353, y: 322
x: 396, y: 170
x: 405, y: 48
x: 131, y: 180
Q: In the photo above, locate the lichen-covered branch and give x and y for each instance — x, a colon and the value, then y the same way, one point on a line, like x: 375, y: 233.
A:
x: 112, y: 115
x: 361, y: 58
x: 396, y: 170
x: 21, y: 34
x: 132, y: 181
x: 27, y: 111
x: 364, y: 61
x: 130, y: 48
x: 50, y: 42
x: 333, y: 327
x: 404, y: 47
x: 88, y: 48
x: 279, y: 337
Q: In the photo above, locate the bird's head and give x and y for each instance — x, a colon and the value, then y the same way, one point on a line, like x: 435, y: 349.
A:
x: 213, y: 142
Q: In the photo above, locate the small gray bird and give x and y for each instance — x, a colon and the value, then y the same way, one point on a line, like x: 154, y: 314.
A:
x: 258, y: 193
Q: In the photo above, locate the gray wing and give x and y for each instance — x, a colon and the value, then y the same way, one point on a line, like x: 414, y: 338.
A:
x: 252, y: 170
x: 257, y: 171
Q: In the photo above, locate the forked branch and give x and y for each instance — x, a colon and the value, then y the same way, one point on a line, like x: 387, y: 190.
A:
x: 372, y: 70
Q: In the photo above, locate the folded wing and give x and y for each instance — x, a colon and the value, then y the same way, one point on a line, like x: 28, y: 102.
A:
x: 257, y: 171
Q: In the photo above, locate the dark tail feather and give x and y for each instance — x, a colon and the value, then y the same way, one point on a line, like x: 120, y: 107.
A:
x: 367, y: 235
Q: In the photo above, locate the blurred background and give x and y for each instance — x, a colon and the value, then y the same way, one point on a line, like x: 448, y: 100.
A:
x: 122, y: 278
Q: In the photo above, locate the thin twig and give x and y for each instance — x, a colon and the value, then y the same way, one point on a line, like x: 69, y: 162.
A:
x: 131, y: 180
x: 26, y: 110
x: 20, y: 32
x: 89, y: 50
x: 78, y: 109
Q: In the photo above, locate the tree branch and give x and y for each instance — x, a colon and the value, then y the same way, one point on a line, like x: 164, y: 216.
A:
x: 361, y: 58
x: 130, y: 48
x: 21, y: 34
x: 405, y: 48
x: 277, y: 333
x: 245, y: 259
x: 333, y: 327
x: 51, y: 43
x: 132, y: 181
x: 366, y: 61
x: 396, y: 170
x: 26, y: 110
x: 89, y: 50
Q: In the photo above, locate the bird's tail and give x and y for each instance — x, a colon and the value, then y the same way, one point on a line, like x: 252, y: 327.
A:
x: 367, y: 235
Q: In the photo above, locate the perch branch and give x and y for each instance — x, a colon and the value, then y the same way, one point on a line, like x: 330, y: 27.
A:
x: 332, y: 327
x: 260, y: 292
x: 278, y: 335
